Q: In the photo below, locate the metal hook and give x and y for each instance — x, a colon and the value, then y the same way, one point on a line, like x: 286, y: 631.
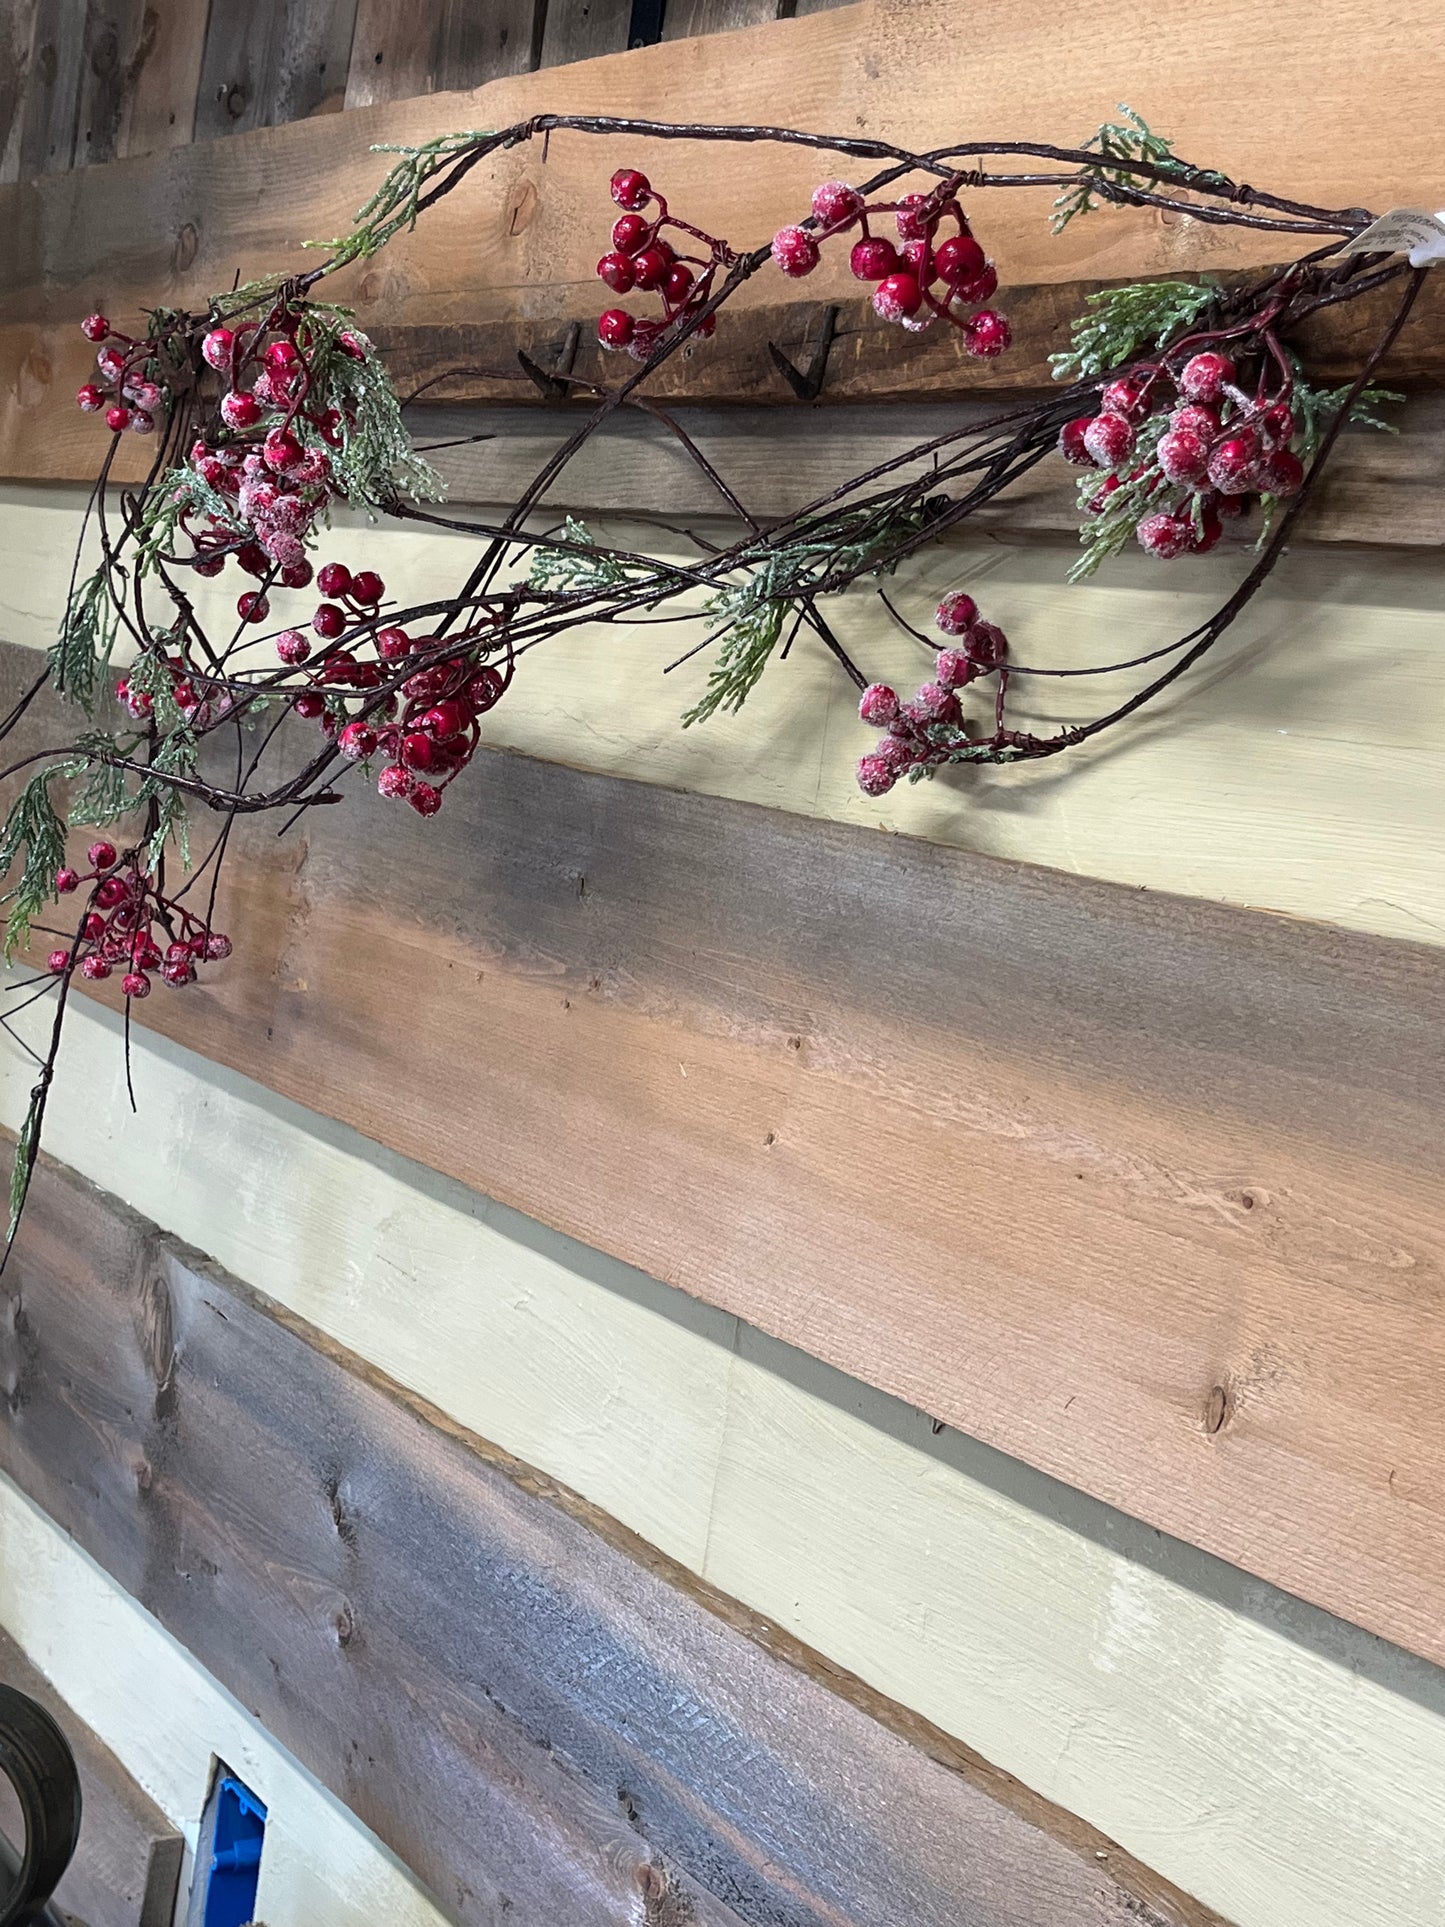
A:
x: 553, y: 389
x: 808, y: 387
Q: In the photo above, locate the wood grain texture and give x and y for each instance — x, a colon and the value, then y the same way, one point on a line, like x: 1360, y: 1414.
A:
x: 1144, y: 1192
x: 273, y: 60
x: 545, y: 1719
x: 17, y: 34
x: 127, y: 1864
x: 525, y: 235
x: 684, y: 18
x: 400, y: 49
x: 163, y: 77
x: 578, y: 30
x: 113, y: 34
x: 52, y: 88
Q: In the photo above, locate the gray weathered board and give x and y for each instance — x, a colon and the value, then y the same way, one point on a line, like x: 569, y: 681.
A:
x: 544, y: 1718
x: 127, y: 1864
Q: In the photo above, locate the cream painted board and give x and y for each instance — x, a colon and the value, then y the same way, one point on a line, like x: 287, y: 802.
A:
x: 165, y: 1718
x: 1302, y: 770
x: 1285, y: 1767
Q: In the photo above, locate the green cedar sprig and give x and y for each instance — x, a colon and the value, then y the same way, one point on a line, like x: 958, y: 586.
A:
x: 35, y: 826
x: 81, y: 650
x: 1120, y: 324
x: 394, y: 204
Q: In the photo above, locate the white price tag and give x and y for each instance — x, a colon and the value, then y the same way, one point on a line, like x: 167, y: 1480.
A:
x: 1404, y: 230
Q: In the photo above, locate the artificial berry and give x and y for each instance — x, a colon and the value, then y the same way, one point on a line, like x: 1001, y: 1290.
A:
x: 135, y: 983
x: 446, y: 719
x: 1126, y: 397
x: 616, y: 270
x: 1109, y: 440
x: 1184, y: 457
x: 178, y: 973
x: 308, y: 705
x: 1071, y: 442
x: 1278, y: 424
x: 394, y: 781
x: 101, y: 856
x: 875, y: 775
x: 630, y: 188
x: 834, y: 203
x: 89, y: 398
x: 111, y: 363
x: 484, y: 689
x: 328, y: 621
x: 281, y: 357
x: 352, y: 344
x: 1231, y: 465
x: 141, y: 423
x: 117, y: 417
x: 795, y: 251
x: 897, y: 295
x: 58, y: 962
x: 872, y: 260
x: 957, y: 613
x: 66, y: 880
x: 217, y: 349
x: 240, y: 409
x: 356, y: 741
x: 912, y: 224
x: 987, y: 644
x: 253, y: 606
x: 630, y: 233
x: 878, y: 705
x: 959, y: 259
x: 986, y: 334
x: 1204, y: 376
x: 280, y: 451
x: 217, y: 946
x: 649, y: 269
x: 955, y: 668
x: 93, y: 926
x: 367, y: 588
x: 425, y: 799
x: 253, y: 559
x: 1164, y: 536
x: 110, y: 892
x: 297, y: 575
x: 418, y: 751
x: 95, y: 968
x: 677, y: 282
x: 935, y: 703
x: 1282, y: 472
x: 334, y: 578
x: 1210, y: 530
x: 393, y: 644
x: 983, y: 287
x: 292, y: 647
x: 616, y: 328
x: 95, y: 327
x: 1196, y: 419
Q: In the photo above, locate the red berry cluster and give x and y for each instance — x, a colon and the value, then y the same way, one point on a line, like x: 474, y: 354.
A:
x: 133, y: 928
x: 1193, y: 443
x: 427, y: 730
x: 922, y: 279
x: 641, y: 257
x: 267, y: 452
x: 126, y: 390
x: 920, y: 733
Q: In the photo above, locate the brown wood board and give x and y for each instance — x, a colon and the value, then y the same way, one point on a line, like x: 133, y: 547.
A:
x: 1144, y: 1191
x: 127, y: 1863
x: 401, y: 49
x: 273, y: 60
x: 547, y: 1720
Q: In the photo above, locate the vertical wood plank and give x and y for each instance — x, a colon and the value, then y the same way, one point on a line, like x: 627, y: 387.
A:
x: 17, y: 36
x: 272, y: 61
x: 685, y: 19
x: 582, y: 29
x: 47, y: 132
x: 113, y: 30
x: 163, y: 77
x: 401, y: 49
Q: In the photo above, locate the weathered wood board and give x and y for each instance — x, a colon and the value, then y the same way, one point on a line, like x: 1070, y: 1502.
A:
x: 127, y: 1863
x: 545, y: 1719
x: 1145, y: 1192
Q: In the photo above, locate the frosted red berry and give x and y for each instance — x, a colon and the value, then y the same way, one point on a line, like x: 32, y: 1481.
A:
x: 253, y: 606
x: 955, y: 668
x: 630, y: 233
x: 280, y: 451
x: 393, y: 644
x: 795, y: 252
x: 217, y: 946
x: 1109, y: 440
x: 95, y: 327
x: 615, y: 328
x: 308, y: 706
x: 1183, y: 457
x: 58, y: 962
x: 328, y: 621
x: 986, y: 334
x: 910, y: 220
x: 1198, y: 420
x: 367, y: 588
x: 935, y: 703
x: 1203, y: 377
x: 1278, y: 424
x: 395, y: 781
x: 135, y: 983
x: 957, y: 613
x: 66, y: 880
x: 630, y: 188
x: 616, y: 270
x: 89, y: 398
x: 1128, y: 397
x: 897, y: 295
x: 356, y: 741
x: 333, y: 578
x: 878, y: 705
x: 1164, y: 536
x: 425, y: 799
x: 101, y: 856
x: 875, y: 775
x: 117, y: 418
x: 1071, y: 442
x: 834, y: 203
x: 109, y: 892
x: 95, y: 967
x: 1282, y: 472
x: 871, y: 260
x: 218, y: 349
x: 240, y: 409
x: 983, y: 287
x: 292, y: 647
x: 178, y: 972
x: 959, y: 259
x: 1231, y: 465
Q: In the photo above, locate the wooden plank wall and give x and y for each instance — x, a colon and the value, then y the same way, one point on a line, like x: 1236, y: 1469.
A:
x: 83, y: 81
x: 489, y: 1671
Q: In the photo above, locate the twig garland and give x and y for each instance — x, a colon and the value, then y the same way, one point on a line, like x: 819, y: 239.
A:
x: 1183, y: 405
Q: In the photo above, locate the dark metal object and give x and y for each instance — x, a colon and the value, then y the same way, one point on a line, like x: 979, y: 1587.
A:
x: 35, y: 1757
x: 644, y: 29
x: 808, y: 387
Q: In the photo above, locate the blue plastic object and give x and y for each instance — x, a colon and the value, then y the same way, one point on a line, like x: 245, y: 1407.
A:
x: 237, y: 1833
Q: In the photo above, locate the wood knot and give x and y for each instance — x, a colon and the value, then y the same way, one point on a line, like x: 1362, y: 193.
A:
x: 187, y: 243
x: 343, y: 1623
x: 1217, y: 1410
x: 234, y: 98
x: 521, y: 208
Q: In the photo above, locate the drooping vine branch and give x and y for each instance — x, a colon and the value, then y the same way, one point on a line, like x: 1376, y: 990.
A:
x: 1183, y: 404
